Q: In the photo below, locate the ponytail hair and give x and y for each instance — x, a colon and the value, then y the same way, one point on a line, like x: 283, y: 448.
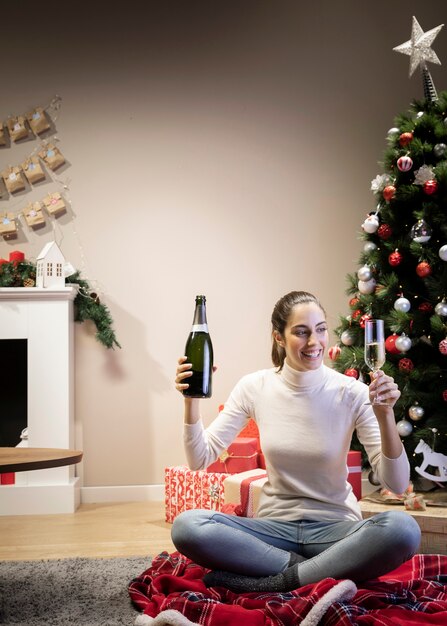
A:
x: 280, y: 317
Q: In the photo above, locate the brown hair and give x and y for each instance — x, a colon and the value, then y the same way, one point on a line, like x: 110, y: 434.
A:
x: 280, y: 317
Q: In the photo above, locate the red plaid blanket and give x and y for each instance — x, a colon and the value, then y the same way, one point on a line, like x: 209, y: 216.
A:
x: 415, y: 593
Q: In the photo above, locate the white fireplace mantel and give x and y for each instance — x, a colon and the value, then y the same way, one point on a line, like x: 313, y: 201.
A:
x: 44, y: 317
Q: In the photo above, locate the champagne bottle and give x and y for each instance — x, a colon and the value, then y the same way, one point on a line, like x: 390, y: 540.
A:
x: 199, y: 352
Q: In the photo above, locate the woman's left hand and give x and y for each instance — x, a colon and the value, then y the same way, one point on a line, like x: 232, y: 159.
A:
x: 384, y: 390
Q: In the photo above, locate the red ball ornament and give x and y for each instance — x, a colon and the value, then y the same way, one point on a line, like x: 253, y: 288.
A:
x: 425, y: 307
x: 395, y: 258
x: 444, y: 395
x: 384, y: 231
x: 364, y: 319
x: 353, y: 302
x: 389, y: 192
x: 405, y: 163
x: 443, y: 347
x: 334, y: 352
x: 423, y: 269
x: 352, y: 372
x: 405, y: 139
x: 430, y: 187
x: 390, y: 344
x: 406, y: 365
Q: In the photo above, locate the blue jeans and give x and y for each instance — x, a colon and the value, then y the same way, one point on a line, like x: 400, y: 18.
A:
x: 261, y: 546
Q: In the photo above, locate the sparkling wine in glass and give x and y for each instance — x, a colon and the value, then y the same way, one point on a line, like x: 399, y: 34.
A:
x: 375, y: 347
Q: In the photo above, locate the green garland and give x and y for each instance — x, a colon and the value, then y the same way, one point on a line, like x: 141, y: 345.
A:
x: 87, y: 304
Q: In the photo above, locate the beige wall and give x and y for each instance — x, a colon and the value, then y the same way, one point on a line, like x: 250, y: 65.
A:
x: 224, y: 148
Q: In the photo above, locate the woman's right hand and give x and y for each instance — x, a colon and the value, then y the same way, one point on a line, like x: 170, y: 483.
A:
x: 184, y: 371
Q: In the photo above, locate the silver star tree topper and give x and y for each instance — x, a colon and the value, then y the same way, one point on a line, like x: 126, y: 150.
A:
x: 418, y: 48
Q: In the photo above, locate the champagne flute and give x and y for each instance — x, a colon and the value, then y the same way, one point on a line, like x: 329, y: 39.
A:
x: 375, y: 348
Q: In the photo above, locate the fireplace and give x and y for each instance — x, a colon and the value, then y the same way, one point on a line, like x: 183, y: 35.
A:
x: 36, y: 351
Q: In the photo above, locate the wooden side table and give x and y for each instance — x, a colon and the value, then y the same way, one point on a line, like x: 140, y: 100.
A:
x: 24, y: 459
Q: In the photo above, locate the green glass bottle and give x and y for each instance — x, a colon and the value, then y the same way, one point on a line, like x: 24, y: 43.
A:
x: 199, y: 351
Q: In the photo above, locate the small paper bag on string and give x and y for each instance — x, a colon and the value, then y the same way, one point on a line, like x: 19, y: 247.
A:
x: 52, y: 156
x: 8, y: 226
x: 13, y: 178
x: 33, y: 215
x: 54, y: 204
x: 38, y: 121
x: 33, y: 170
x: 17, y: 127
x: 2, y: 134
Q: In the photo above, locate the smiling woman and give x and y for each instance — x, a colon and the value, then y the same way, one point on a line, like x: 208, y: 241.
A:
x: 306, y: 414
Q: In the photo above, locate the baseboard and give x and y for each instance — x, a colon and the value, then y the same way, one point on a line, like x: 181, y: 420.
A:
x: 123, y: 493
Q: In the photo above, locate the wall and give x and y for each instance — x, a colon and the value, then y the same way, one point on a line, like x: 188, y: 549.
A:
x: 224, y: 148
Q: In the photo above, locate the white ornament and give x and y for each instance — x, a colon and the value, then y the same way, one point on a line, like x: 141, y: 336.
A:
x: 366, y: 287
x: 433, y: 459
x: 370, y: 246
x: 418, y: 48
x: 346, y: 338
x: 423, y: 174
x: 364, y: 273
x: 381, y: 180
x: 403, y: 343
x: 443, y: 252
x: 402, y: 304
x: 371, y: 224
x: 404, y: 428
x: 416, y: 412
x: 441, y: 309
x: 393, y: 131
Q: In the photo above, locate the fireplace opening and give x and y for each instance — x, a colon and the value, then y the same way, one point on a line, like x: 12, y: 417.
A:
x: 13, y: 390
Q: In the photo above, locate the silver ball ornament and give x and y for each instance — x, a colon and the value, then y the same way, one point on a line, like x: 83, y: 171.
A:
x: 443, y: 252
x: 364, y: 273
x: 440, y: 149
x: 371, y: 224
x: 403, y: 343
x: 416, y: 412
x: 441, y: 309
x: 419, y: 114
x: 404, y: 428
x: 366, y: 287
x: 346, y: 338
x: 393, y: 131
x: 402, y: 304
x: 370, y: 246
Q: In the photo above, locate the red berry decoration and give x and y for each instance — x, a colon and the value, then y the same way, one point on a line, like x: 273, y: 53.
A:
x: 390, y: 344
x: 443, y: 347
x: 395, y: 258
x: 357, y: 313
x: 334, y: 352
x: 423, y: 269
x: 405, y: 139
x: 430, y: 187
x: 389, y: 192
x: 406, y: 365
x: 364, y: 319
x: 352, y: 372
x: 405, y: 163
x: 425, y: 307
x: 384, y: 231
x: 353, y: 302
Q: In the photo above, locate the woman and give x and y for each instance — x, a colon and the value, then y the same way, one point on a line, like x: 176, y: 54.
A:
x: 309, y: 524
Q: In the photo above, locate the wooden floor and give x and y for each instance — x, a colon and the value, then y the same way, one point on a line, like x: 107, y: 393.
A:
x: 95, y: 530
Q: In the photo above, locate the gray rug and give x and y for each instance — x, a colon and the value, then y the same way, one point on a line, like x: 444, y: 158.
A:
x: 68, y: 592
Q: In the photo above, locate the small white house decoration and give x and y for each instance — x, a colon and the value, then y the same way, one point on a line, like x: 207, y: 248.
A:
x: 50, y: 267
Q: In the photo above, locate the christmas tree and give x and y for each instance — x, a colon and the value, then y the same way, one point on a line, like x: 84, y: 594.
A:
x: 402, y: 274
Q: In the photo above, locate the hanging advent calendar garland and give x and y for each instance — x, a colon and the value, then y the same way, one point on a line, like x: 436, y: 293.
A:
x: 38, y: 166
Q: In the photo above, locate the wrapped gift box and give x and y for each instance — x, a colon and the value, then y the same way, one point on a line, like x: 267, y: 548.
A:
x: 187, y: 489
x: 243, y: 491
x: 355, y: 472
x: 242, y: 455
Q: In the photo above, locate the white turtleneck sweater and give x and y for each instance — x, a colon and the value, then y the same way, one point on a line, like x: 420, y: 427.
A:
x: 305, y: 421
